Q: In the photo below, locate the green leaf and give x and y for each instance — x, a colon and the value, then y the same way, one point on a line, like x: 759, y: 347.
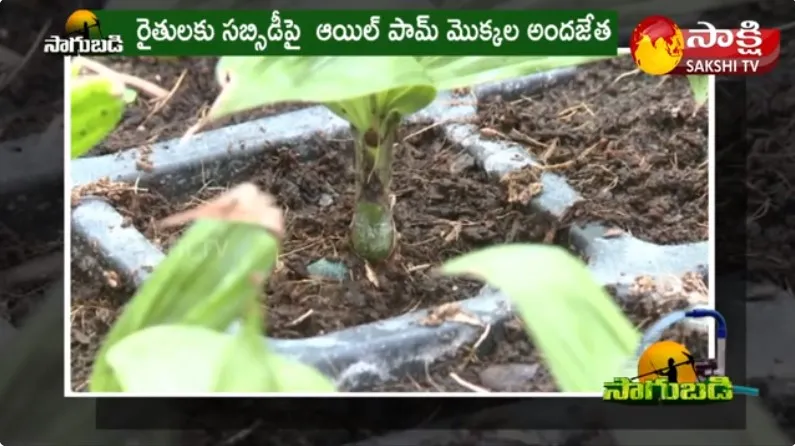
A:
x: 245, y: 364
x: 448, y: 72
x: 581, y: 332
x: 169, y: 359
x: 205, y: 281
x: 291, y: 376
x: 369, y: 111
x: 248, y: 365
x: 699, y: 85
x: 250, y: 82
x: 130, y: 95
x: 97, y: 107
x: 364, y: 89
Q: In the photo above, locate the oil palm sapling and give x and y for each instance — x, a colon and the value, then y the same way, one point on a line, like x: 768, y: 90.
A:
x: 373, y: 94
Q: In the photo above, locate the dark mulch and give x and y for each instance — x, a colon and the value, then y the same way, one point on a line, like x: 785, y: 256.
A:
x: 512, y: 347
x: 149, y: 120
x: 18, y: 296
x: 463, y: 371
x: 764, y: 245
x: 31, y: 94
x: 95, y: 306
x: 771, y: 168
x: 440, y: 213
x: 633, y: 149
x: 34, y: 94
x: 445, y: 206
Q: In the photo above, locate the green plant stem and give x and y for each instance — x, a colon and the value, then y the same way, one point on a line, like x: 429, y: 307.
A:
x: 373, y: 226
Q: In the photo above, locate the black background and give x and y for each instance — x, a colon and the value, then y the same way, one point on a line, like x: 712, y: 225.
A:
x: 32, y: 406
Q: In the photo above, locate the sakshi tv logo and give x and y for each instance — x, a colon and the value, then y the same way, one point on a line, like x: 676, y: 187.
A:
x: 659, y: 46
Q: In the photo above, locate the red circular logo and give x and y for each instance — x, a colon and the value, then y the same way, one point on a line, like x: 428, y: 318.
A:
x: 657, y: 45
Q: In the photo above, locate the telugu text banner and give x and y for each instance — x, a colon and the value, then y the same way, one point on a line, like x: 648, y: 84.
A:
x: 366, y: 33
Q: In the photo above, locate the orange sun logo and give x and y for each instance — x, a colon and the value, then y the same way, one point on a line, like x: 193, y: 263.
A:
x: 667, y: 359
x: 83, y: 23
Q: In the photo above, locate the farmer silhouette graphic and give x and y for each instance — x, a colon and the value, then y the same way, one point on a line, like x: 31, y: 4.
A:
x: 667, y: 359
x: 671, y: 373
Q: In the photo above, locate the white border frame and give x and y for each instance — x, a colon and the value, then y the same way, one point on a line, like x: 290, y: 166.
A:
x: 68, y: 392
x: 67, y: 225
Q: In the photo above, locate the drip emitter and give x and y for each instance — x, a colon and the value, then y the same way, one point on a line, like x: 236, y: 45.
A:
x: 706, y: 367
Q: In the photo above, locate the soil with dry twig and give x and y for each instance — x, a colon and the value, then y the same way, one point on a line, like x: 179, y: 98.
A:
x: 636, y: 149
x: 439, y: 213
x: 32, y: 92
x: 771, y: 166
x: 764, y: 246
x: 445, y: 206
x: 96, y: 303
x: 192, y: 89
x: 20, y: 298
x: 318, y: 197
x: 509, y: 362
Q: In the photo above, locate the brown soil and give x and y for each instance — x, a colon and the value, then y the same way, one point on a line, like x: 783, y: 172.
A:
x: 512, y: 346
x: 31, y: 94
x: 34, y: 94
x: 440, y: 213
x: 445, y: 206
x: 432, y: 228
x: 771, y: 166
x: 21, y: 297
x: 462, y: 372
x: 765, y: 250
x: 193, y: 88
x: 95, y: 305
x: 633, y: 149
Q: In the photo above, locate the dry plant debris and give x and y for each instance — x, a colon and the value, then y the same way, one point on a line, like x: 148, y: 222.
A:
x: 523, y: 185
x: 450, y: 312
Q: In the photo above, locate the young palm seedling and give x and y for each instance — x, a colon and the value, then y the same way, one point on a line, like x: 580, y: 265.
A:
x: 373, y: 94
